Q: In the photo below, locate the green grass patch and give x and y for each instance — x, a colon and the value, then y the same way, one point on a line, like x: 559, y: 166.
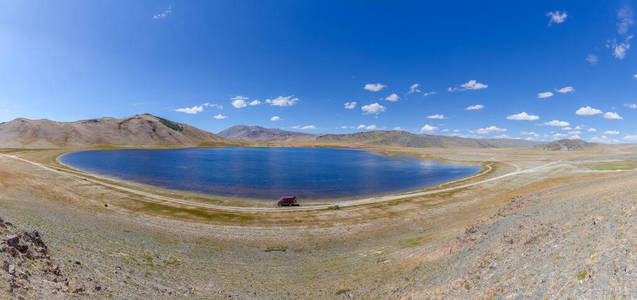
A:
x: 412, y: 242
x: 276, y: 249
x: 343, y: 291
x: 170, y: 124
x: 217, y: 216
x: 582, y: 275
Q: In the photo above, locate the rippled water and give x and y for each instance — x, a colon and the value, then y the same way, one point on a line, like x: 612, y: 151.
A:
x: 268, y: 173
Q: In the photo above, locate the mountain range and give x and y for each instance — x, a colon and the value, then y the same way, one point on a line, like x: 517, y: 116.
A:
x: 150, y: 130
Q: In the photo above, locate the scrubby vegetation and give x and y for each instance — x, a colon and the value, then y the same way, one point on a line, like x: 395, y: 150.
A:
x: 170, y: 124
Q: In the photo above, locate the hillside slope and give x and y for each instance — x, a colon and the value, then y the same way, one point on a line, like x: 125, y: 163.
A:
x: 406, y: 139
x: 257, y: 133
x: 138, y: 130
x: 566, y: 145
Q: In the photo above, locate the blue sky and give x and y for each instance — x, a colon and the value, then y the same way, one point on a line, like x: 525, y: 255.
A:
x: 298, y: 64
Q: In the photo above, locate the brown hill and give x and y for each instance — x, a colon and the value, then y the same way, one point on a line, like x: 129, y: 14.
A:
x: 407, y: 139
x: 257, y: 133
x: 138, y: 130
x: 566, y: 145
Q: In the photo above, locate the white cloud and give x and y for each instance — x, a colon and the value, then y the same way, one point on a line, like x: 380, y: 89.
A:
x: 397, y: 128
x: 587, y: 111
x: 635, y: 75
x: 366, y: 127
x: 533, y: 133
x: 429, y: 93
x: 630, y: 138
x: 556, y: 123
x: 275, y: 118
x: 475, y: 107
x: 612, y: 116
x: 239, y: 101
x: 556, y: 17
x: 631, y: 106
x: 612, y: 132
x: 220, y: 117
x: 575, y: 132
x: 566, y: 89
x: 591, y: 130
x: 544, y: 95
x: 624, y: 19
x: 469, y: 85
x: 392, y: 98
x: 592, y: 59
x: 254, y: 102
x: 283, y: 101
x: 373, y: 108
x: 575, y: 136
x: 502, y: 136
x: 620, y: 49
x: 436, y: 116
x: 164, y: 14
x: 374, y: 87
x: 306, y: 127
x: 350, y: 105
x: 490, y: 129
x: 191, y: 110
x: 567, y: 128
x: 213, y: 105
x: 428, y: 128
x: 414, y: 88
x: 523, y: 116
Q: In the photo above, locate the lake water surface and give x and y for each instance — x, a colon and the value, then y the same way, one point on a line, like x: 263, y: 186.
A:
x: 268, y: 173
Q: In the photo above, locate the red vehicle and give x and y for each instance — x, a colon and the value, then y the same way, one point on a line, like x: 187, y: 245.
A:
x: 287, y: 201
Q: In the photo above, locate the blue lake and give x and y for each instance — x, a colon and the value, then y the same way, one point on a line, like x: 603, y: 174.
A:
x: 268, y: 173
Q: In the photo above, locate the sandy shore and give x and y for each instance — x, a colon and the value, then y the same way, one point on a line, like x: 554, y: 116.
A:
x: 498, y: 234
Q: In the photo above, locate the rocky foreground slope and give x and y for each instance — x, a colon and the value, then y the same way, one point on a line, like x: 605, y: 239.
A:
x: 138, y: 130
x: 28, y: 270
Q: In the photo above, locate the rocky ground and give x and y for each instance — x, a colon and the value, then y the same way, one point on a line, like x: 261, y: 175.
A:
x: 30, y: 271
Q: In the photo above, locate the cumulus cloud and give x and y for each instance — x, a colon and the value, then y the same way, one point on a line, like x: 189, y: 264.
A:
x: 191, y: 110
x: 587, y: 111
x: 220, y: 117
x: 392, y: 98
x: 556, y: 17
x: 436, y: 116
x: 624, y: 19
x: 306, y: 127
x: 282, y: 101
x: 635, y: 75
x: 490, y: 129
x: 591, y: 130
x: 414, y: 88
x: 254, y: 102
x: 429, y: 93
x: 239, y: 101
x: 556, y: 123
x: 469, y: 85
x: 275, y: 118
x: 475, y: 107
x: 544, y: 95
x: 566, y: 89
x: 373, y: 108
x: 164, y: 14
x: 591, y: 59
x: 523, y: 116
x: 428, y: 128
x: 366, y: 127
x: 612, y: 116
x: 350, y: 105
x: 611, y: 132
x: 374, y: 87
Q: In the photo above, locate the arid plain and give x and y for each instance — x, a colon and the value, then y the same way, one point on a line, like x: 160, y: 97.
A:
x: 538, y: 223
